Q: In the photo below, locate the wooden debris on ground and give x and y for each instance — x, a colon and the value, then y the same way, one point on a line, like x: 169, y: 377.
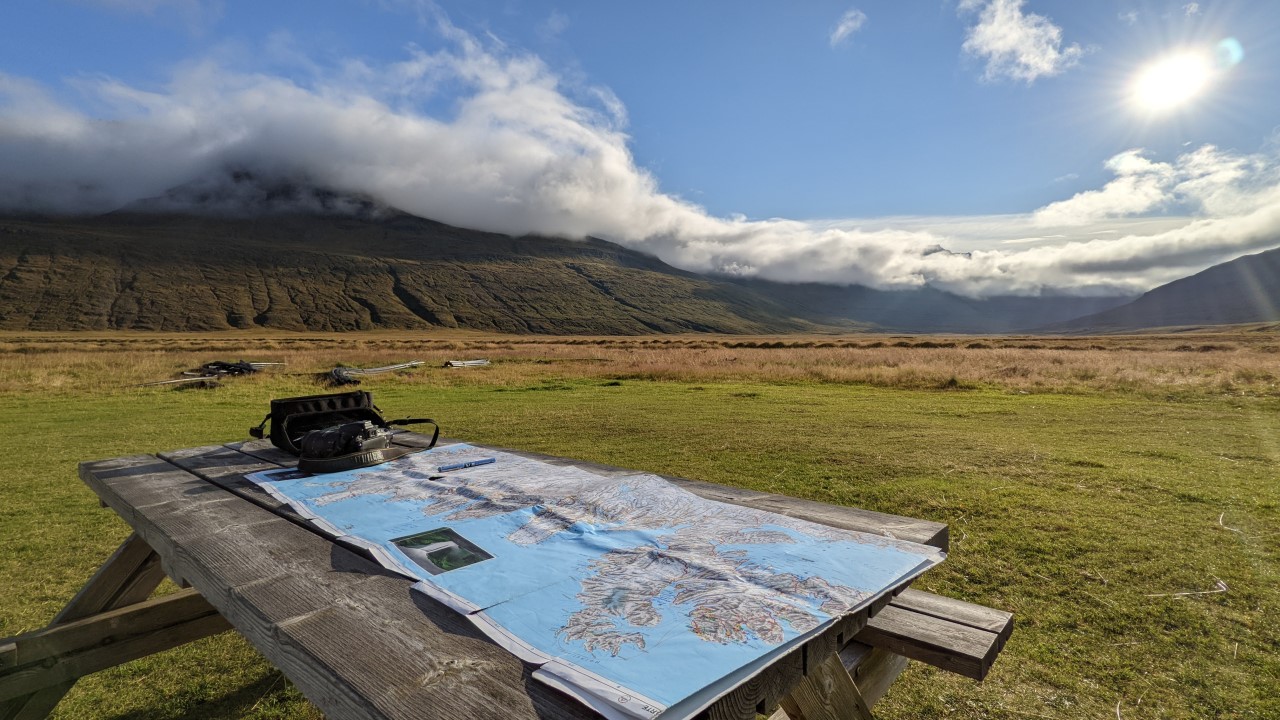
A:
x: 353, y: 376
x: 208, y: 374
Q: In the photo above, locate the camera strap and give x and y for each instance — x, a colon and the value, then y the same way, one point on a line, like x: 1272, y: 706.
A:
x: 435, y: 434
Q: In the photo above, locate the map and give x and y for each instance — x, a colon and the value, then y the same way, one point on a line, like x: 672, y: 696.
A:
x: 631, y: 594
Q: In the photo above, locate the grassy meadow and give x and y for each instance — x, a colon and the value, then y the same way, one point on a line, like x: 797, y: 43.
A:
x: 1120, y: 495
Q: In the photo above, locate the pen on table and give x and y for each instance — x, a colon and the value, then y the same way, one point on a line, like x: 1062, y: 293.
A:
x: 469, y: 463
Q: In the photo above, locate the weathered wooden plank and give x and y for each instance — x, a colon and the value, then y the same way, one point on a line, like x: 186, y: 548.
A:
x: 455, y: 669
x: 66, y: 670
x: 352, y: 637
x: 227, y: 459
x: 957, y: 611
x: 939, y: 630
x: 129, y: 576
x: 815, y: 653
x: 61, y: 653
x: 226, y: 467
x: 265, y: 451
x: 762, y: 692
x: 951, y: 646
x: 218, y: 457
x: 173, y: 506
x: 108, y: 626
x: 718, y: 493
x: 873, y: 669
x: 827, y: 693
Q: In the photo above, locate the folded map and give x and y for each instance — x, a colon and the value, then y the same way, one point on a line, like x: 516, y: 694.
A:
x: 630, y: 594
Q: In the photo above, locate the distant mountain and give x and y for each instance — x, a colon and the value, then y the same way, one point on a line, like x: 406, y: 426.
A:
x: 1244, y: 290
x: 165, y: 271
x: 927, y: 310
x: 242, y: 250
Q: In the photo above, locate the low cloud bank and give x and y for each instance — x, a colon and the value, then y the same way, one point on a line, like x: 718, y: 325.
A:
x: 519, y: 152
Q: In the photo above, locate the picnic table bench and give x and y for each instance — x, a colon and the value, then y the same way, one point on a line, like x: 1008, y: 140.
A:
x: 358, y: 644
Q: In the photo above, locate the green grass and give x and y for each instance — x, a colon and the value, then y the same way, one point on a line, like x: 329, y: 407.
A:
x: 1073, y: 511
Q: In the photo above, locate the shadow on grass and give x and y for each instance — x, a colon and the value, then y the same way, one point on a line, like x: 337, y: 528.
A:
x: 237, y: 703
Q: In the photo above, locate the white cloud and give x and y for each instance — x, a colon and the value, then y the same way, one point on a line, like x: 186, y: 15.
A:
x: 850, y: 22
x: 1129, y: 17
x: 1207, y: 180
x: 553, y: 26
x: 518, y: 154
x: 1015, y: 44
x: 1140, y: 186
x: 1191, y: 9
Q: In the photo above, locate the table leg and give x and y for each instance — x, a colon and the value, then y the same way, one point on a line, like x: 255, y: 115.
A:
x: 827, y: 693
x: 129, y: 576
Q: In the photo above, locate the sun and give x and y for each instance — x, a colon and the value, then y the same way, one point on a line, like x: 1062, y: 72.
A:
x: 1172, y: 81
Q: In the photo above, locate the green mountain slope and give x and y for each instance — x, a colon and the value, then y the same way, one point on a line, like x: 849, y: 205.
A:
x: 340, y: 272
x: 1244, y: 290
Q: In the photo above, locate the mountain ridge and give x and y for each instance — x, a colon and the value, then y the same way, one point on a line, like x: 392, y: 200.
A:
x: 240, y: 250
x: 145, y: 269
x: 156, y: 271
x: 929, y: 309
x: 1243, y: 290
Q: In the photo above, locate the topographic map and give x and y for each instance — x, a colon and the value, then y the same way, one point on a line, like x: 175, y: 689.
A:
x: 629, y: 593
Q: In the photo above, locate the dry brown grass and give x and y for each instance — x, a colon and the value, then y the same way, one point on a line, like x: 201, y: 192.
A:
x: 1214, y: 363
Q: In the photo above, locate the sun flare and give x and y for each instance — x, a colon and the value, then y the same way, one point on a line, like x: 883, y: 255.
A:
x: 1172, y: 81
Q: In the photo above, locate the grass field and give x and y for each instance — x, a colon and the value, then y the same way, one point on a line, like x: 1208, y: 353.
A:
x: 1090, y: 484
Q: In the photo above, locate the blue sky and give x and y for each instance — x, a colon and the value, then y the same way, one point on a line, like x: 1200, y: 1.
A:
x: 828, y: 141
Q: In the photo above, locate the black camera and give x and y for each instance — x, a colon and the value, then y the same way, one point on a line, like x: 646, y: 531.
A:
x: 345, y: 439
x: 347, y: 447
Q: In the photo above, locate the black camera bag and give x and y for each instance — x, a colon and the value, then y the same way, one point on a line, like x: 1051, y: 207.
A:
x: 292, y: 418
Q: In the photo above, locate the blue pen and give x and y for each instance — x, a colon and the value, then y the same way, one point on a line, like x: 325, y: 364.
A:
x: 469, y: 463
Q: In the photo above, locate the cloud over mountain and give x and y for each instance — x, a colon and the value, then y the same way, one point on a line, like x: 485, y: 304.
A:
x: 524, y: 151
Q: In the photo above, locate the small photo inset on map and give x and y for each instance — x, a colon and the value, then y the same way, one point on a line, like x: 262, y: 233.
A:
x: 440, y: 550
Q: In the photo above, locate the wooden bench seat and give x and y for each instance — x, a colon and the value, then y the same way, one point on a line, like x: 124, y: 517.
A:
x: 951, y: 634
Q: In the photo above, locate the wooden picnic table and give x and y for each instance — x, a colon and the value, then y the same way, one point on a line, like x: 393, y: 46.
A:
x: 358, y: 644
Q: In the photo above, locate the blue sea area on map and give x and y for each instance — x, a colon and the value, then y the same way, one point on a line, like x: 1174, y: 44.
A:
x: 538, y: 617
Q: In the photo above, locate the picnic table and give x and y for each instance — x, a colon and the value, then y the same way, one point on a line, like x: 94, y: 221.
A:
x: 358, y: 644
